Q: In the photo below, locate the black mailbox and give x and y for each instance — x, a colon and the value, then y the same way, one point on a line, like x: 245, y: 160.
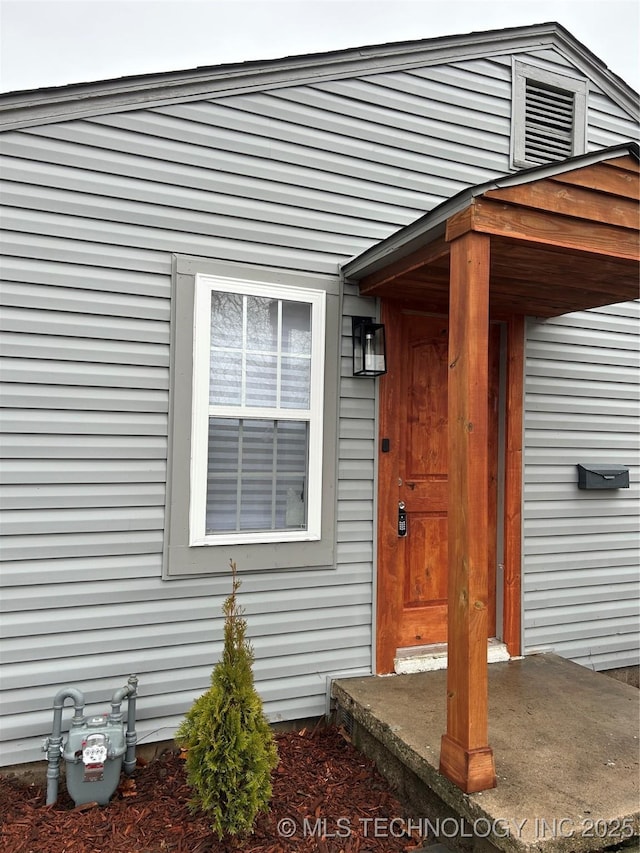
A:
x: 603, y: 477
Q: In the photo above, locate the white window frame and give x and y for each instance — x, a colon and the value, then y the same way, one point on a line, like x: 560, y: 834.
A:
x: 522, y: 72
x: 205, y: 285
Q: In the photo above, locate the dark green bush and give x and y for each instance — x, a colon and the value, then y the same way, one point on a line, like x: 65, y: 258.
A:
x: 231, y: 751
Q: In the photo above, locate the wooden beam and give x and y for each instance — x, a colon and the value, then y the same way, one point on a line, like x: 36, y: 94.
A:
x: 628, y: 163
x: 466, y: 757
x: 422, y: 257
x: 616, y: 177
x: 583, y: 203
x: 511, y: 630
x: 537, y: 226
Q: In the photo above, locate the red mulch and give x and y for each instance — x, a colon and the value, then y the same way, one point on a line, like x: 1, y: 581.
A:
x: 327, y: 798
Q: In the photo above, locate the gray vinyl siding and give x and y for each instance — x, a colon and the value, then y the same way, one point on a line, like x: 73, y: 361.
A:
x: 581, y: 581
x: 300, y: 179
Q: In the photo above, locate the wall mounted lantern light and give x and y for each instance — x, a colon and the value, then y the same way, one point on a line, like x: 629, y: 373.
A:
x: 369, y: 350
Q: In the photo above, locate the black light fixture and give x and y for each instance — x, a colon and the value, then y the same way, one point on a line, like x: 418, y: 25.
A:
x: 369, y: 350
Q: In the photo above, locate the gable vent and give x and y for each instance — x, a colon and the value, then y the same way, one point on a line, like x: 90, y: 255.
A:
x: 549, y: 116
x: 549, y: 123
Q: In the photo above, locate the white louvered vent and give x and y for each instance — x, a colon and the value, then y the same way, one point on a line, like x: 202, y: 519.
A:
x: 549, y: 117
x: 549, y: 124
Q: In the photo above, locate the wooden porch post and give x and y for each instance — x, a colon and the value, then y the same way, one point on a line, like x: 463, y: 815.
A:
x: 466, y: 757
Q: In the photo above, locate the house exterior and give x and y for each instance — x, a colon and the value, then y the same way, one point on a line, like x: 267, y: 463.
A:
x: 183, y: 257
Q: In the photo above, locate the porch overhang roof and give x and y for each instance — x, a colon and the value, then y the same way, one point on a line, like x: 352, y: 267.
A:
x: 564, y: 237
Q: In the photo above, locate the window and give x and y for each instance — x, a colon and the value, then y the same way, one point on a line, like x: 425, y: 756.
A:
x: 252, y: 418
x: 548, y: 116
x: 257, y: 412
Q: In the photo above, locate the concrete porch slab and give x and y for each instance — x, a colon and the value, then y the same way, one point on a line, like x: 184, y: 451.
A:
x: 566, y: 749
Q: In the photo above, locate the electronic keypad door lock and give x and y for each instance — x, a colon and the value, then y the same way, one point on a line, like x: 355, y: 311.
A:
x: 402, y: 519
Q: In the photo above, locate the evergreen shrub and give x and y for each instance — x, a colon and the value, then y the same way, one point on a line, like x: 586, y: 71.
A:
x: 231, y: 750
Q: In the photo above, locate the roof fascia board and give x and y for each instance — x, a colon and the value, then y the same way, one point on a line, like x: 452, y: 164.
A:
x: 432, y: 225
x: 43, y: 106
x: 615, y: 87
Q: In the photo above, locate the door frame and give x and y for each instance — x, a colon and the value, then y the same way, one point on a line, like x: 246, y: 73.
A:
x: 509, y: 524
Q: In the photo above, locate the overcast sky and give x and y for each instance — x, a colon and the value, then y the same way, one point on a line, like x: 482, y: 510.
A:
x: 55, y: 42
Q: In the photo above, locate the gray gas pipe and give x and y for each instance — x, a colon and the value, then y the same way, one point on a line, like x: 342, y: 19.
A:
x: 94, y: 749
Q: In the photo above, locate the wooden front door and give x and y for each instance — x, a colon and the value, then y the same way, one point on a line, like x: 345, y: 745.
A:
x: 413, y: 469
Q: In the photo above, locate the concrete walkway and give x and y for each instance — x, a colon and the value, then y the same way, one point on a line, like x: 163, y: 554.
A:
x: 566, y: 749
